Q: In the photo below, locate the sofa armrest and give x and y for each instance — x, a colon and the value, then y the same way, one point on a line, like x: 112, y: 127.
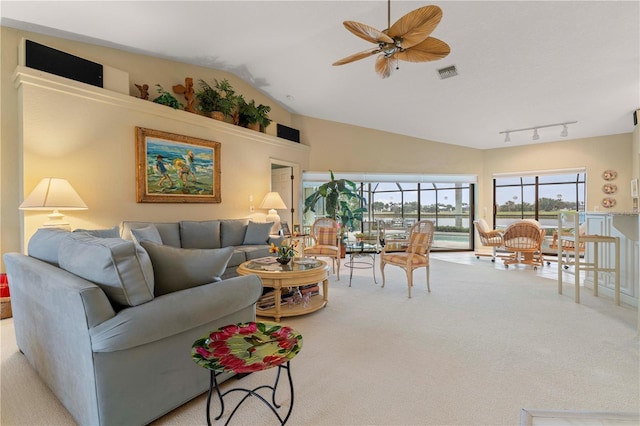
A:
x: 175, y: 313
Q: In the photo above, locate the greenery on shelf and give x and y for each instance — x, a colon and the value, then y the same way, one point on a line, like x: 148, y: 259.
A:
x: 342, y: 202
x: 220, y: 97
x: 250, y: 113
x: 167, y: 99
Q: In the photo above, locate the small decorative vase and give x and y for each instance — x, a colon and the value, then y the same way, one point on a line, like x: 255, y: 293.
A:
x: 283, y: 260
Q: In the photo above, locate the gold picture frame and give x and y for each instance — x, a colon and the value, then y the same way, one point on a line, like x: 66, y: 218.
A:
x: 172, y: 168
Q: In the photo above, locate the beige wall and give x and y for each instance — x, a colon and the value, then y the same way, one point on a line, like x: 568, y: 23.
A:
x: 92, y: 144
x: 87, y: 135
x: 595, y: 154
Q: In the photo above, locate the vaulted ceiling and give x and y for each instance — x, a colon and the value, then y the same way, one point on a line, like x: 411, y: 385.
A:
x: 520, y: 64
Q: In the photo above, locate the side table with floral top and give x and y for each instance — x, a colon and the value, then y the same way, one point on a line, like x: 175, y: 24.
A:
x: 245, y: 348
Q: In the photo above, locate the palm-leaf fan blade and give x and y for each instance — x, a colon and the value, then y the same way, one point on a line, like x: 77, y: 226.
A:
x: 429, y: 50
x: 357, y: 56
x: 415, y: 26
x: 367, y: 32
x: 384, y: 66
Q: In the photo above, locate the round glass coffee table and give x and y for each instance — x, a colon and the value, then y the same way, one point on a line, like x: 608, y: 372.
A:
x: 246, y: 348
x: 300, y: 272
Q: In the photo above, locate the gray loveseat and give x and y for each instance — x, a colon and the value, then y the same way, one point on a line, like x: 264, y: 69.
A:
x: 92, y: 319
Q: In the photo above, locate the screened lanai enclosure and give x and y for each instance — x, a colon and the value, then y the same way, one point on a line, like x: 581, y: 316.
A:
x: 396, y: 202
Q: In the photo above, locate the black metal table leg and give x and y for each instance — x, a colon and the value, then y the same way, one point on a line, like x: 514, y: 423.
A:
x: 252, y: 392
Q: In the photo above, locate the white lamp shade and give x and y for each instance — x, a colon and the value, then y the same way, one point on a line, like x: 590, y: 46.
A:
x: 53, y: 194
x: 273, y: 200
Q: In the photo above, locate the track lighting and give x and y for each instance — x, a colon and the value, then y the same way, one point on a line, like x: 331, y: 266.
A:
x: 564, y: 133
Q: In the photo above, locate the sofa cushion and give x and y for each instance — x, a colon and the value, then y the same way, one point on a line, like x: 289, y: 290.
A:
x: 232, y: 231
x: 200, y: 234
x: 252, y: 252
x: 178, y: 269
x: 121, y: 268
x: 102, y: 233
x: 257, y: 233
x: 45, y: 244
x: 148, y: 233
x: 169, y: 231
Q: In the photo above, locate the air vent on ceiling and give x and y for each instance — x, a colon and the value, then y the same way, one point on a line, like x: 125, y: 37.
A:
x: 448, y: 72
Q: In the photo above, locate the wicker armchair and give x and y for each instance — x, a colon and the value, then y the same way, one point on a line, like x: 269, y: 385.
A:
x: 324, y: 234
x: 415, y: 256
x: 524, y: 240
x: 488, y: 237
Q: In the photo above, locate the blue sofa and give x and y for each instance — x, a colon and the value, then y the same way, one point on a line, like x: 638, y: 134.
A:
x: 92, y: 322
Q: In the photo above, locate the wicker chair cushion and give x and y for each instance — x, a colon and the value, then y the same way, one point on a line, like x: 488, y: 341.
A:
x: 402, y: 259
x: 418, y: 243
x: 327, y: 236
x: 321, y: 250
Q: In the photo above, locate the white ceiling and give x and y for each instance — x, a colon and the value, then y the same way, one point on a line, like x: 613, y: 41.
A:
x: 520, y: 64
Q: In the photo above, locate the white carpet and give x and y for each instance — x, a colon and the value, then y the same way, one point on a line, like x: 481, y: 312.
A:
x: 484, y: 344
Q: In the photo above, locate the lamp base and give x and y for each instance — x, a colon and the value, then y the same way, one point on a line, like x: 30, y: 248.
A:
x: 275, y: 218
x: 56, y: 220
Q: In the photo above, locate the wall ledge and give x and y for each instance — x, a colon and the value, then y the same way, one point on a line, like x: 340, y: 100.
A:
x: 24, y: 76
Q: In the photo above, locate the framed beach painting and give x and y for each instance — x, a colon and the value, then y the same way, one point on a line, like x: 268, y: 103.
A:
x: 173, y: 168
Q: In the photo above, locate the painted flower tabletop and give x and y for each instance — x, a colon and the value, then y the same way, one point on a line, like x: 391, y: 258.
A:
x: 247, y: 347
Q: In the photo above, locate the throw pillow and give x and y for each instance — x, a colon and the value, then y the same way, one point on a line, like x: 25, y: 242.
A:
x: 257, y: 233
x: 121, y: 268
x: 45, y: 244
x: 148, y: 233
x: 102, y: 233
x: 178, y: 269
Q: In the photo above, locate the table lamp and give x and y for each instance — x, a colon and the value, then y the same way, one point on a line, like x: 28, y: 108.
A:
x: 54, y: 194
x: 273, y: 201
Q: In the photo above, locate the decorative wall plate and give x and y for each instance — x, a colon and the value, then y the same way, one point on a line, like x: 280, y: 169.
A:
x: 610, y: 188
x: 609, y: 175
x: 608, y: 202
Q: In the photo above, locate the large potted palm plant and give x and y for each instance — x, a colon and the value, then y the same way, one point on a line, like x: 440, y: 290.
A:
x: 342, y: 203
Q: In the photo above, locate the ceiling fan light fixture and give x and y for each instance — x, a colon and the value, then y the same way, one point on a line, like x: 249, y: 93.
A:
x: 408, y: 39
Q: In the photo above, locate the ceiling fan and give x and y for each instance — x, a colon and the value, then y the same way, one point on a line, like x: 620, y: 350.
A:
x: 407, y: 40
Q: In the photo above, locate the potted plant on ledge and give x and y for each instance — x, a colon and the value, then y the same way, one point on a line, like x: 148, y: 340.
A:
x: 219, y: 100
x: 167, y: 99
x: 252, y: 116
x: 342, y: 203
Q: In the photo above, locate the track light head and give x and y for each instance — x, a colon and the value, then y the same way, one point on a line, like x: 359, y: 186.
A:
x: 535, y: 134
x: 565, y: 131
x: 507, y: 138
